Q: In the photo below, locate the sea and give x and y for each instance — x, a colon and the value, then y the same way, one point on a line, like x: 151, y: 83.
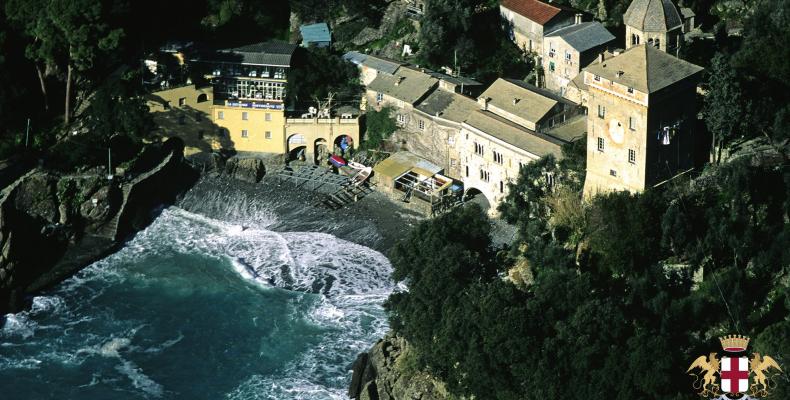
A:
x: 232, y: 293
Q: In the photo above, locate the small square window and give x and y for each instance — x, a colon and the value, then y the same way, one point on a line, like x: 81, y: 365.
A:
x: 630, y: 90
x: 220, y: 115
x: 613, y: 172
x: 268, y: 117
x: 379, y: 97
x: 632, y: 156
x: 268, y: 135
x: 601, y: 111
x: 182, y: 101
x: 244, y: 133
x: 601, y: 144
x: 567, y: 55
x: 551, y: 66
x: 632, y: 123
x: 597, y: 78
x: 244, y: 116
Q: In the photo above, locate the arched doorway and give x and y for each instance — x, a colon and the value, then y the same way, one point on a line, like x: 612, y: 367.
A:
x: 474, y: 195
x: 297, y: 147
x: 344, y: 145
x: 202, y: 98
x: 321, y: 151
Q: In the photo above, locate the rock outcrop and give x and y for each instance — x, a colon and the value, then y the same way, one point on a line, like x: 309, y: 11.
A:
x: 53, y: 224
x: 384, y: 373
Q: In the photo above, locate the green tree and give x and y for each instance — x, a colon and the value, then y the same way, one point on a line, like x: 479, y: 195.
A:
x: 318, y: 72
x: 379, y: 126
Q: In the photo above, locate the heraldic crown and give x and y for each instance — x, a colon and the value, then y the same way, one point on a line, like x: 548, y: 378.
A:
x: 734, y: 343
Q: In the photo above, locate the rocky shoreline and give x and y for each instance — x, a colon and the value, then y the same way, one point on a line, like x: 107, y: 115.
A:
x: 53, y: 224
x: 386, y: 372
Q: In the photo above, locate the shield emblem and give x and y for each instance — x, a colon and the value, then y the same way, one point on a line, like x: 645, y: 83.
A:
x: 734, y: 374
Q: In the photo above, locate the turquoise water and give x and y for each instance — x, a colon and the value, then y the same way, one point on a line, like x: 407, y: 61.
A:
x: 200, y: 308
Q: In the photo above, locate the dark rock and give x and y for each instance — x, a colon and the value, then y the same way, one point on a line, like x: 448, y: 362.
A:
x: 246, y: 169
x: 36, y: 196
x: 97, y: 207
x: 358, y: 369
x: 384, y: 378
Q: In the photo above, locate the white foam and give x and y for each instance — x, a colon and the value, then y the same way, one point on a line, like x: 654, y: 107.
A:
x: 139, y: 379
x: 19, y: 325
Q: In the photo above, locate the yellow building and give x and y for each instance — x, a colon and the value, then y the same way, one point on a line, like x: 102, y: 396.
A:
x: 243, y: 107
x: 641, y: 119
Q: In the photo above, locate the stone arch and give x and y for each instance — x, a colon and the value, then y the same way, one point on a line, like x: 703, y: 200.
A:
x: 475, y: 195
x: 203, y: 97
x: 296, y: 147
x: 344, y: 143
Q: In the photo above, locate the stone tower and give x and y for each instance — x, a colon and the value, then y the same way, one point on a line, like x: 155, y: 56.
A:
x: 654, y: 23
x: 640, y: 125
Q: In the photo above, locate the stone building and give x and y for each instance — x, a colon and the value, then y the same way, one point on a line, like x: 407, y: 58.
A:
x: 516, y: 123
x: 569, y: 49
x: 642, y: 114
x: 530, y: 20
x: 654, y: 23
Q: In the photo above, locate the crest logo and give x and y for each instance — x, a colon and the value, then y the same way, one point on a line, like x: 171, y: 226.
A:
x: 738, y: 376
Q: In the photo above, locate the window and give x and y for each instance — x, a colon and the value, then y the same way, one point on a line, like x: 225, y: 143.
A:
x: 601, y: 111
x: 452, y: 162
x: 220, y: 115
x: 268, y: 117
x: 479, y: 149
x: 630, y: 90
x: 632, y: 123
x: 401, y: 118
x: 467, y: 171
x: 632, y: 156
x: 484, y: 175
x: 597, y: 78
x: 601, y: 144
x: 379, y: 97
x: 658, y: 43
x: 244, y: 133
x: 498, y: 158
x: 501, y: 187
x: 268, y: 135
x: 182, y: 101
x: 613, y: 173
x: 244, y: 116
x: 421, y: 124
x: 567, y: 55
x: 551, y: 66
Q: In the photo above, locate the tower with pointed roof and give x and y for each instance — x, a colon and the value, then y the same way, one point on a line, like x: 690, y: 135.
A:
x: 654, y: 23
x: 641, y: 120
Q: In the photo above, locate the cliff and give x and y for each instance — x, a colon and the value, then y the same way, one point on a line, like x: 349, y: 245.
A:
x: 387, y: 372
x: 53, y: 224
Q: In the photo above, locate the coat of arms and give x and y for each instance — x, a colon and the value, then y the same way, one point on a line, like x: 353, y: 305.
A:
x: 738, y: 376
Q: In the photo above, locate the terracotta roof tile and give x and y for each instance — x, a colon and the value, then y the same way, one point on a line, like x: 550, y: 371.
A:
x: 535, y: 10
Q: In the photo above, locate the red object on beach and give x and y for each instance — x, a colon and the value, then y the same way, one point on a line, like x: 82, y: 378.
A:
x: 337, y: 161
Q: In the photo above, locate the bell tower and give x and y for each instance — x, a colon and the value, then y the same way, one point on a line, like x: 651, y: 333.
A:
x: 654, y: 23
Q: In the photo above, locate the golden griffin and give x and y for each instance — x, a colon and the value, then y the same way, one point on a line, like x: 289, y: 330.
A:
x: 734, y: 374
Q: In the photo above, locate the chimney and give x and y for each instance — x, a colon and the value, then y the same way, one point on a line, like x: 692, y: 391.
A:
x: 483, y: 101
x: 601, y: 57
x: 620, y: 73
x: 515, y: 101
x: 400, y: 79
x: 578, y: 19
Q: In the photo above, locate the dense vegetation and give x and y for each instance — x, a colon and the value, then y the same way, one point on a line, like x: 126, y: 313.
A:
x: 610, y: 307
x: 469, y: 36
x: 615, y: 296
